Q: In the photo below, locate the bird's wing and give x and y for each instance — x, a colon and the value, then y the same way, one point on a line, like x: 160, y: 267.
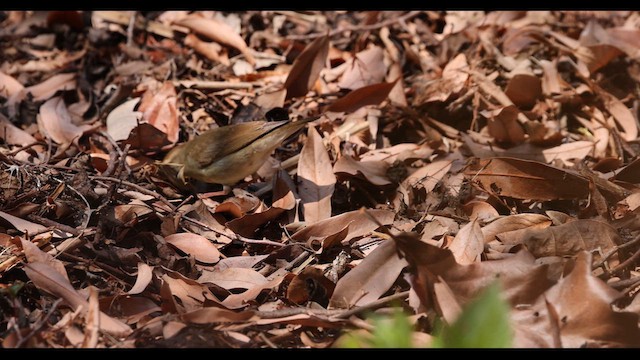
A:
x: 233, y: 138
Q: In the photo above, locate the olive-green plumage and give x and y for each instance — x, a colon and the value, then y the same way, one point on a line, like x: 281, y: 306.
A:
x: 228, y: 154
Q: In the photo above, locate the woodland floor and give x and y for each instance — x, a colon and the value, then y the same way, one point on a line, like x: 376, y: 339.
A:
x: 452, y: 149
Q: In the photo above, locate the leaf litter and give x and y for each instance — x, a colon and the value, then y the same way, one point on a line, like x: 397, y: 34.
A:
x: 451, y: 149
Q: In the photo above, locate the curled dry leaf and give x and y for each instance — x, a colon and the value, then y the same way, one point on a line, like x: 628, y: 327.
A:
x: 315, y: 178
x: 181, y: 294
x: 523, y: 179
x: 145, y: 273
x: 374, y: 171
x: 359, y: 225
x: 210, y: 50
x: 195, y: 245
x: 370, y: 279
x: 55, y: 122
x: 513, y: 223
x: 219, y: 31
x: 306, y: 68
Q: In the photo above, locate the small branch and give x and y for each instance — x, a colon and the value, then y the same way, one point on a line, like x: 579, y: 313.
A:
x: 234, y: 236
x: 337, y: 314
x: 213, y: 85
x: 380, y: 25
x: 138, y: 188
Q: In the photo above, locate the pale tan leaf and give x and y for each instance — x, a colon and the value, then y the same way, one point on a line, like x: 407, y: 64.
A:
x: 233, y: 278
x: 29, y: 227
x: 34, y: 254
x: 219, y: 31
x: 359, y: 225
x: 468, y: 244
x: 374, y: 171
x: 370, y: 279
x: 365, y: 68
x: 92, y: 324
x: 55, y: 122
x: 513, y: 223
x: 211, y: 50
x: 195, y: 245
x: 143, y: 279
x: 9, y: 86
x: 123, y: 119
x: 12, y: 134
x: 316, y: 179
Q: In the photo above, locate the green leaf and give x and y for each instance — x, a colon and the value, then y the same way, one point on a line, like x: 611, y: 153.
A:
x: 389, y: 332
x: 483, y: 323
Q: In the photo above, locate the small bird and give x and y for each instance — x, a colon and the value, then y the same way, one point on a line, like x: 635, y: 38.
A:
x: 227, y: 154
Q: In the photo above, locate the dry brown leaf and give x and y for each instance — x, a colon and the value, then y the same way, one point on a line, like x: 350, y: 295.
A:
x: 359, y: 225
x: 233, y: 278
x: 236, y: 301
x: 468, y: 244
x: 569, y: 239
x: 365, y: 68
x: 195, y: 245
x: 523, y: 179
x: 219, y: 31
x: 370, y: 279
x: 513, y: 223
x: 33, y: 254
x: 92, y: 324
x: 504, y: 126
x: 123, y: 119
x: 367, y: 95
x: 13, y: 135
x: 522, y: 280
x: 310, y: 285
x: 54, y: 121
x: 145, y: 273
x: 315, y: 178
x: 159, y: 108
x: 306, y: 68
x: 374, y: 171
x: 524, y: 90
x: 210, y: 50
x: 10, y: 85
x: 551, y: 80
x: 29, y: 227
x: 630, y: 173
x: 526, y: 151
x: 48, y: 279
x: 191, y: 295
x: 583, y: 304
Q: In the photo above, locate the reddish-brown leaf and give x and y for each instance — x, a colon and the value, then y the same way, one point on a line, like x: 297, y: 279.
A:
x: 524, y: 90
x: 306, y: 68
x: 523, y: 179
x: 504, y: 126
x: 368, y: 95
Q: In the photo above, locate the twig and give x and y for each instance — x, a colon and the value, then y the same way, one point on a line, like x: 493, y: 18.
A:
x: 39, y: 324
x: 234, y: 236
x: 615, y: 250
x: 380, y: 25
x: 54, y: 224
x: 623, y: 265
x: 337, y: 314
x: 213, y: 85
x: 138, y: 188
